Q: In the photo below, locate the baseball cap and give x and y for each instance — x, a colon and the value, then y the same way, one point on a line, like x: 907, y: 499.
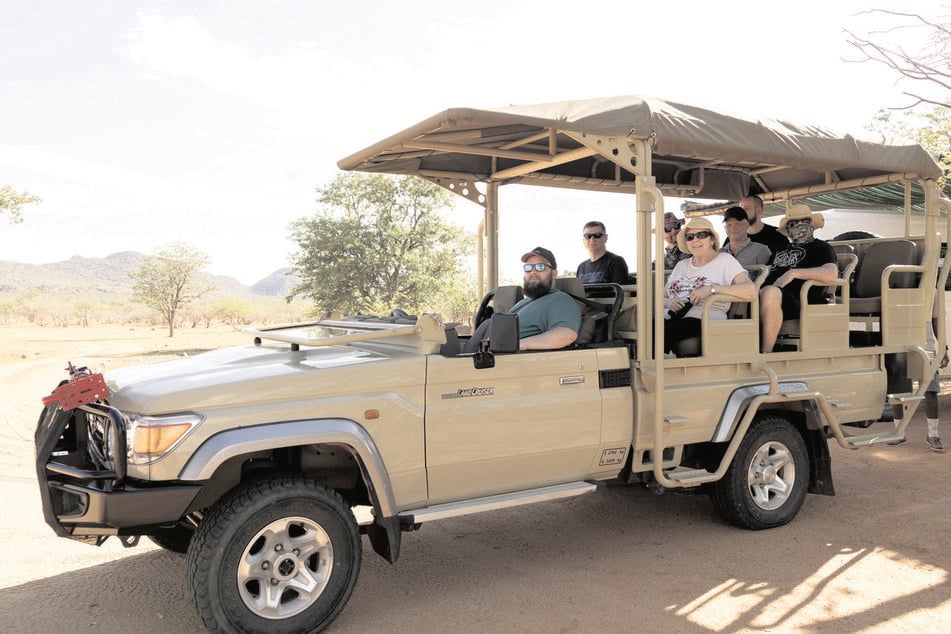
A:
x: 737, y: 213
x: 543, y: 253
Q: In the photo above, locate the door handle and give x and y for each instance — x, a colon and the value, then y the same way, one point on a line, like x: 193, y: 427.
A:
x: 571, y: 380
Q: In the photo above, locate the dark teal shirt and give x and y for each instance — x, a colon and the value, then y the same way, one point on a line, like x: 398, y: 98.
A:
x: 551, y: 310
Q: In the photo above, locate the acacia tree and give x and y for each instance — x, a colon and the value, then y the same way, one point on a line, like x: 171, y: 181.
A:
x: 11, y: 202
x: 376, y: 243
x: 166, y: 281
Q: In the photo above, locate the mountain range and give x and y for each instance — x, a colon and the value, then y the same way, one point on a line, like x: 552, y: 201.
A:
x: 109, y: 276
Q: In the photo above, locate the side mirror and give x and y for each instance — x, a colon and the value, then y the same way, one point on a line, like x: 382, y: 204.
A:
x: 503, y: 333
x: 502, y: 337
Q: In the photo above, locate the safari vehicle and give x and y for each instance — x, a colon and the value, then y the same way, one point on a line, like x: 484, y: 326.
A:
x: 258, y: 460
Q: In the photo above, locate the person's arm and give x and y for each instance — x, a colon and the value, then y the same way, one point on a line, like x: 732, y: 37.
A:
x: 825, y: 274
x: 619, y: 274
x: 741, y: 287
x: 557, y: 337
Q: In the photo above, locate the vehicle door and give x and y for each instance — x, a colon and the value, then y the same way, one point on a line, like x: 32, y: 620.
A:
x: 532, y: 420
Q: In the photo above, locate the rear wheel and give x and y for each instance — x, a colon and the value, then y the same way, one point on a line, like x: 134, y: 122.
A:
x: 280, y: 555
x: 766, y: 484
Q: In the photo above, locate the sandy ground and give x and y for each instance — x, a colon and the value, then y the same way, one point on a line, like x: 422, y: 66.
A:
x: 874, y: 558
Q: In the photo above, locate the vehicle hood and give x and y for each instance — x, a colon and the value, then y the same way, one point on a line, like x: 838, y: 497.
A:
x: 232, y: 376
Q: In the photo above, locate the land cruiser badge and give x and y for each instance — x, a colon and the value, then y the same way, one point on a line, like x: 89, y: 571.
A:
x: 471, y: 391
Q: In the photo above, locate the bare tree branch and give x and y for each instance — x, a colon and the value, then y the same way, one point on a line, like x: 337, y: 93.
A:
x: 933, y: 67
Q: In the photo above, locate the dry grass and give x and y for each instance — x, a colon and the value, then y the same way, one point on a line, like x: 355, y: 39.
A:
x: 111, y: 345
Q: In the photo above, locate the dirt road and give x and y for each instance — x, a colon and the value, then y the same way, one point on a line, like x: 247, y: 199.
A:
x: 874, y: 558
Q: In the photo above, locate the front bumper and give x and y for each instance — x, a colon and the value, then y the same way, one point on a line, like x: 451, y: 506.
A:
x: 84, y: 499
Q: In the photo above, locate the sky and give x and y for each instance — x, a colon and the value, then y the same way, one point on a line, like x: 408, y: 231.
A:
x: 141, y: 124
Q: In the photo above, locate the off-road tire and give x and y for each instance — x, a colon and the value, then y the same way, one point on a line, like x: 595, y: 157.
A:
x: 766, y: 483
x: 274, y: 535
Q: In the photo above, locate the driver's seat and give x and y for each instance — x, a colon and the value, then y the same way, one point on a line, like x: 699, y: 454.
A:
x: 498, y: 300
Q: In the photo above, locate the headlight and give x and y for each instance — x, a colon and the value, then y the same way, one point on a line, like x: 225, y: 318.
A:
x: 151, y: 437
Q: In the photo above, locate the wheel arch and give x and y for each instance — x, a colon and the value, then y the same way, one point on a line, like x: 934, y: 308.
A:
x: 803, y: 413
x: 220, y: 460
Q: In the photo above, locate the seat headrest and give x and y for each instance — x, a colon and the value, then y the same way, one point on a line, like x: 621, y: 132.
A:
x: 570, y: 285
x: 506, y: 297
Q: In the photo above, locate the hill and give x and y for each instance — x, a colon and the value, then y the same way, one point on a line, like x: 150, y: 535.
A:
x: 109, y: 276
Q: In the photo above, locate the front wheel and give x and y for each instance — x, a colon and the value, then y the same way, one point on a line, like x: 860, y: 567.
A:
x: 280, y: 555
x: 766, y: 483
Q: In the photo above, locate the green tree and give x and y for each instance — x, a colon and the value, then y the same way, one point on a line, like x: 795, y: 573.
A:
x: 930, y: 128
x: 11, y: 202
x: 232, y: 311
x: 376, y: 243
x: 166, y: 281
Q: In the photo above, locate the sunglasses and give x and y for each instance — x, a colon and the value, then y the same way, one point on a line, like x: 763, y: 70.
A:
x: 538, y: 266
x: 669, y: 229
x: 596, y: 236
x: 700, y: 234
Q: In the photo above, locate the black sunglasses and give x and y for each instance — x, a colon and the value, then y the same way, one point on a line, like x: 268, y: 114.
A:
x: 596, y: 236
x: 700, y: 234
x: 538, y: 266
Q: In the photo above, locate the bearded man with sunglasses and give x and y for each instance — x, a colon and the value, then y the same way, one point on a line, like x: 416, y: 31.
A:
x: 548, y: 319
x: 807, y: 258
x: 602, y: 266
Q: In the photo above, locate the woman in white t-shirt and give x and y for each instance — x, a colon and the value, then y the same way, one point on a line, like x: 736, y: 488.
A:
x: 697, y: 279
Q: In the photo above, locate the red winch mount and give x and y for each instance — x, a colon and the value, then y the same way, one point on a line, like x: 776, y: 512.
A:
x: 83, y: 387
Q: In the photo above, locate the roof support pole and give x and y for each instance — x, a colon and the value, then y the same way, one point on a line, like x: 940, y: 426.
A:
x: 492, y: 233
x: 908, y: 208
x: 480, y: 259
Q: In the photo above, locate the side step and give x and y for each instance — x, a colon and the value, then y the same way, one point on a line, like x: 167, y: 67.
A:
x: 690, y: 476
x: 495, y: 502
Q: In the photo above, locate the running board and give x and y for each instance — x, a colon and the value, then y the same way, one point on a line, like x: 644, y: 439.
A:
x: 495, y: 502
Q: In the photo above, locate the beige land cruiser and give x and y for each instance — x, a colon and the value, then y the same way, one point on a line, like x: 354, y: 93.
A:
x: 267, y: 463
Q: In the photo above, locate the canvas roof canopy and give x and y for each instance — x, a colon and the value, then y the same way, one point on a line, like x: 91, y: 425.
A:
x: 696, y: 153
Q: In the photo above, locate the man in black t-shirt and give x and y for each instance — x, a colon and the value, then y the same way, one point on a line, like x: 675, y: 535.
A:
x: 602, y: 266
x: 807, y: 258
x: 759, y: 231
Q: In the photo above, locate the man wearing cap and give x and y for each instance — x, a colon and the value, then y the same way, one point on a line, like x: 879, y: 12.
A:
x: 548, y: 319
x: 672, y: 252
x: 602, y: 266
x: 807, y: 258
x: 759, y: 231
x: 738, y: 243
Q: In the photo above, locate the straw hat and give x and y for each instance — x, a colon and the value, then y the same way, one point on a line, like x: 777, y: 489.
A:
x: 798, y: 212
x: 697, y: 224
